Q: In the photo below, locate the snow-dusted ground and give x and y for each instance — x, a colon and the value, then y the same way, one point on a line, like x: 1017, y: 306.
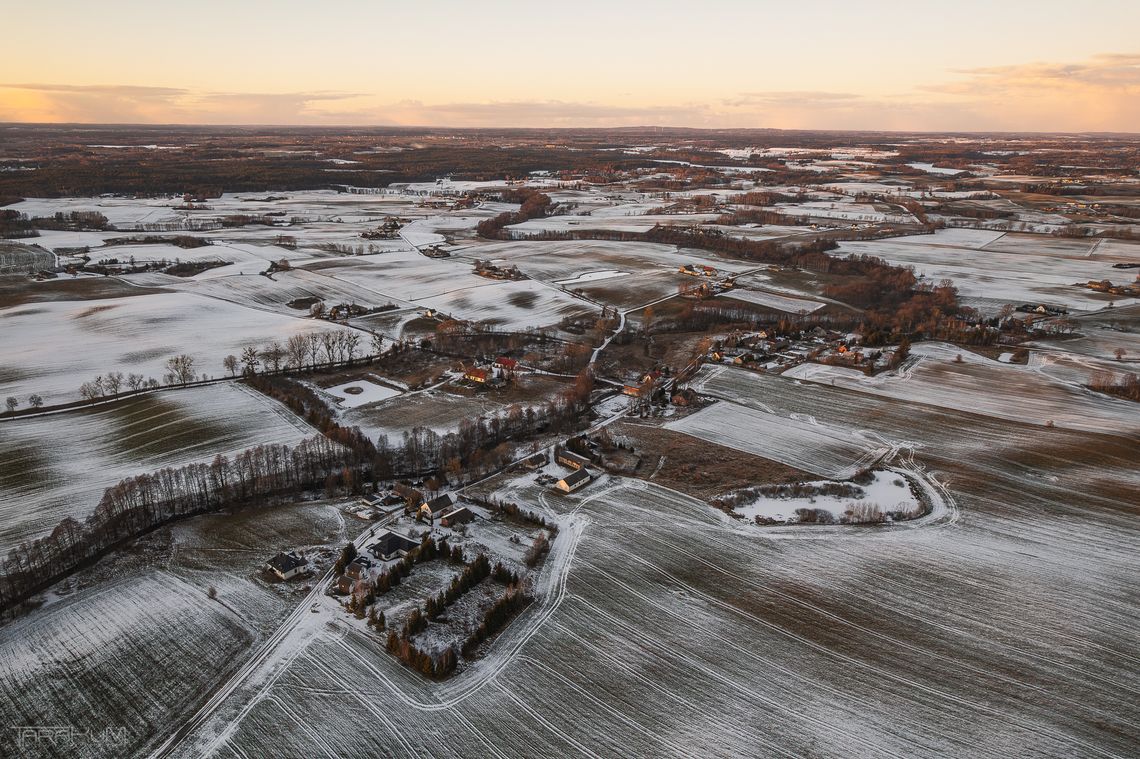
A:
x: 801, y: 441
x: 1005, y: 268
x: 593, y: 276
x: 983, y: 386
x: 887, y: 492
x: 512, y: 305
x: 369, y: 392
x: 52, y: 348
x: 58, y: 465
x: 772, y: 300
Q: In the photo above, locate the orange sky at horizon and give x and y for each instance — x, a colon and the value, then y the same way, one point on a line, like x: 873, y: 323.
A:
x: 884, y: 64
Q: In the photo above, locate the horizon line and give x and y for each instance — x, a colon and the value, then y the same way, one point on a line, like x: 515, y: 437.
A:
x: 405, y: 127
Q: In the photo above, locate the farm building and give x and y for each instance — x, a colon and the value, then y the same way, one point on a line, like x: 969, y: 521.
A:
x: 383, y: 503
x: 572, y: 460
x: 534, y: 461
x: 505, y: 364
x: 390, y: 545
x: 287, y: 565
x: 462, y: 515
x: 572, y: 482
x: 477, y: 375
x: 436, y: 507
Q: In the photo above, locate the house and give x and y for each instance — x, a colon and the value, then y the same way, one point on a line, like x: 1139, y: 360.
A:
x: 534, y: 461
x: 572, y: 482
x: 373, y: 501
x: 390, y: 545
x: 572, y: 460
x: 287, y: 565
x: 502, y: 363
x: 477, y: 375
x: 633, y: 391
x: 462, y: 515
x: 358, y: 568
x: 436, y: 507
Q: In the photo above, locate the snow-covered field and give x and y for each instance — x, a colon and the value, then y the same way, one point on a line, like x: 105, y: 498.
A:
x: 670, y: 625
x: 800, y: 441
x: 58, y: 465
x: 1004, y: 268
x: 983, y: 386
x: 52, y: 348
x: 514, y: 305
x: 775, y: 301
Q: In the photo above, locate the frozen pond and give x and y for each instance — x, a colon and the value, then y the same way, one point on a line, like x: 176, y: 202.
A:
x: 360, y: 393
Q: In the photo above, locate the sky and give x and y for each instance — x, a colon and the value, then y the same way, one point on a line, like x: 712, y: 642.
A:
x: 998, y: 65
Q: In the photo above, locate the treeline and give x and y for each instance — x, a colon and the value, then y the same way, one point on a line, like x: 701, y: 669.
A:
x: 479, y: 446
x: 14, y: 225
x: 1127, y: 387
x: 535, y: 204
x: 137, y: 505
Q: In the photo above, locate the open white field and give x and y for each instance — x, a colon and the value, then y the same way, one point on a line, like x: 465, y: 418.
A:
x: 285, y: 287
x: 107, y: 647
x: 564, y: 259
x: 618, y: 219
x: 135, y: 642
x: 58, y: 465
x: 52, y: 348
x: 661, y: 623
x: 1009, y: 269
x: 437, y: 410
x: 403, y: 275
x: 775, y: 301
x: 982, y: 386
x: 515, y: 305
x: 800, y: 441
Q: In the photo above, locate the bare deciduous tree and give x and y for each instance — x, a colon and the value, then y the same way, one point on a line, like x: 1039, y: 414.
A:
x: 230, y: 363
x: 180, y: 369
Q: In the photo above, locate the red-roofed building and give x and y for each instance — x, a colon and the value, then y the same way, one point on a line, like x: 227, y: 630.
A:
x: 506, y: 364
x: 477, y: 375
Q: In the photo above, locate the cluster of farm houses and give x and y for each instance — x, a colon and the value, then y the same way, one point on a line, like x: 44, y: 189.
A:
x: 443, y: 509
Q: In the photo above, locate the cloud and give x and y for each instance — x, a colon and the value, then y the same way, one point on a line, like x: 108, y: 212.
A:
x: 793, y: 97
x: 137, y: 104
x: 1099, y: 93
x: 546, y: 113
x: 1112, y: 72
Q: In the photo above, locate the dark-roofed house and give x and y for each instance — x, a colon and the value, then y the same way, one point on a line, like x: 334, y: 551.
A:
x: 391, y: 545
x: 572, y: 482
x: 572, y: 460
x: 358, y: 567
x: 436, y: 507
x: 534, y: 461
x: 462, y: 515
x: 287, y: 565
x: 375, y: 500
